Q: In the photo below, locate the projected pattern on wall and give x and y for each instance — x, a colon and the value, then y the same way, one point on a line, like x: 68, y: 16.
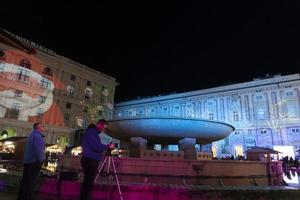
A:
x: 26, y: 89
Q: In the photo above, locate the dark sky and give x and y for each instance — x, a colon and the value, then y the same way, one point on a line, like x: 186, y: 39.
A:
x: 159, y: 48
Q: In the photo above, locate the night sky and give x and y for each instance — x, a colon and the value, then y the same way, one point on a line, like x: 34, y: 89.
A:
x: 162, y: 48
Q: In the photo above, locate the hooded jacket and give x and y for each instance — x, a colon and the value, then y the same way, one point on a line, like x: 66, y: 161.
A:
x: 91, y: 143
x: 35, y: 148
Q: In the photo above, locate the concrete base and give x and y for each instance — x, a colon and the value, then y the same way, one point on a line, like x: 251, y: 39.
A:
x: 137, y: 144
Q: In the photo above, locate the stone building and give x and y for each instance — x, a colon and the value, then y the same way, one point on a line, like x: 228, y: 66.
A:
x: 265, y: 112
x: 36, y: 84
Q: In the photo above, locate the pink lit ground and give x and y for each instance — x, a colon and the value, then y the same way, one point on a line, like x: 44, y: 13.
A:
x: 70, y: 191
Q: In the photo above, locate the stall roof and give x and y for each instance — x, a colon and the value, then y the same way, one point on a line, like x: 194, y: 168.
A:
x: 262, y: 150
x: 13, y: 139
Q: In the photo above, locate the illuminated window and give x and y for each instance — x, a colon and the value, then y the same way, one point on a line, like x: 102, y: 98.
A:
x: 157, y: 147
x: 173, y: 147
x: 25, y: 63
x: 45, y: 83
x: 73, y: 77
x: 88, y: 93
x: 18, y: 93
x: 70, y: 90
x: 23, y: 74
x: 42, y: 99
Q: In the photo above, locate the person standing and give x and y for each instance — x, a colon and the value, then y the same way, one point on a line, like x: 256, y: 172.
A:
x: 34, y: 156
x: 92, y: 153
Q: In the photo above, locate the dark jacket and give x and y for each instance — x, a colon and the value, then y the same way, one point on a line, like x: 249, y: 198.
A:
x: 91, y: 143
x: 35, y: 148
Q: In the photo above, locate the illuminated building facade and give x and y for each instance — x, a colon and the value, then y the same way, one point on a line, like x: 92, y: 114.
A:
x: 265, y: 112
x: 38, y: 85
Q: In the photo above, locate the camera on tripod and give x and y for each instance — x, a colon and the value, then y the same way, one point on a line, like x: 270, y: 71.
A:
x: 111, y: 149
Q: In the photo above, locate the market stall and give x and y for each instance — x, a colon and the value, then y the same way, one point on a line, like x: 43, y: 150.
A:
x: 12, y: 148
x: 53, y: 151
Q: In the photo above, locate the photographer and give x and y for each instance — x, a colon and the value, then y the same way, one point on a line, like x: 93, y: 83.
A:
x: 92, y: 152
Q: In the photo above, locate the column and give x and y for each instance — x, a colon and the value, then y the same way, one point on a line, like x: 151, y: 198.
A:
x: 136, y: 145
x: 187, y: 145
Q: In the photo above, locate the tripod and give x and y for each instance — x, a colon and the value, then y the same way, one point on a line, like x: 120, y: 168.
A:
x: 108, y: 159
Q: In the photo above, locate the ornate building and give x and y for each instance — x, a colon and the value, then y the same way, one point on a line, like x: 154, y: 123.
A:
x: 265, y: 112
x: 36, y: 84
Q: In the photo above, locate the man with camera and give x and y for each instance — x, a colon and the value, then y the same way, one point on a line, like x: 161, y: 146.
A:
x: 92, y: 154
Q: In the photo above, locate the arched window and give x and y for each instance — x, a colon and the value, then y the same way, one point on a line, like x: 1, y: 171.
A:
x: 25, y: 63
x: 47, y: 71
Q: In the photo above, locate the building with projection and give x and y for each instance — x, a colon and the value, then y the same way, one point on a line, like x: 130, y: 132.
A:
x: 38, y: 85
x: 265, y: 112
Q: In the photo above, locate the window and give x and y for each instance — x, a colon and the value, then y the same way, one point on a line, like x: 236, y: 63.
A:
x: 141, y: 113
x: 295, y: 130
x: 73, y: 77
x: 68, y: 105
x: 264, y: 131
x: 39, y: 111
x: 47, y: 71
x: 2, y: 66
x: 18, y: 93
x: 258, y: 98
x: 211, y: 116
x: 2, y: 55
x: 236, y: 133
x: 165, y: 108
x: 177, y: 107
x: 289, y: 94
x: 67, y: 119
x: 45, y: 83
x: 86, y: 109
x: 70, y: 90
x: 23, y: 74
x: 42, y: 99
x: 88, y: 83
x: 25, y: 63
x: 15, y: 107
x: 235, y: 116
x: 88, y: 93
